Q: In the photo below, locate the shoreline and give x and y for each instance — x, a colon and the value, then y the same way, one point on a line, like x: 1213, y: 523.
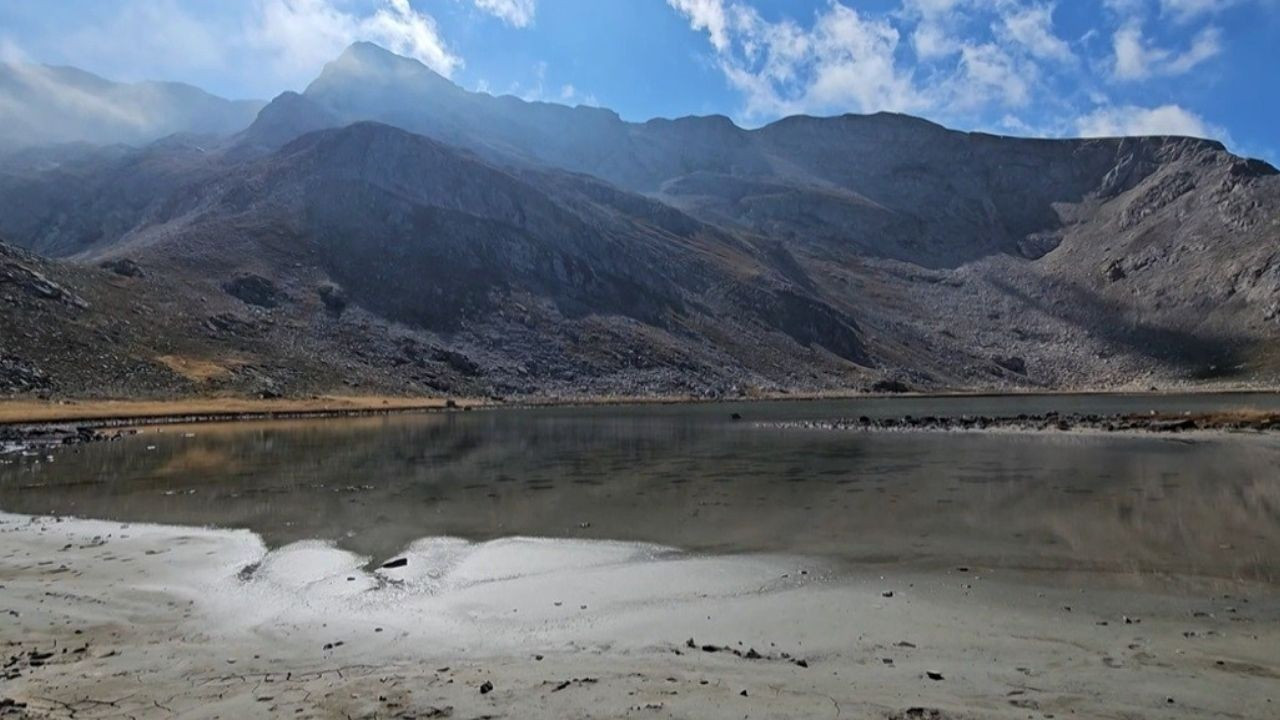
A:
x: 104, y: 618
x: 1251, y: 422
x: 105, y: 413
x: 120, y: 412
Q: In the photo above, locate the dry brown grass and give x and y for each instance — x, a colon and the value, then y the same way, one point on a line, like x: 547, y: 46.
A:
x: 36, y: 411
x: 196, y: 369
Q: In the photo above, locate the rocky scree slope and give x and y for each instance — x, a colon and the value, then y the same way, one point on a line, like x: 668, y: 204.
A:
x: 515, y: 282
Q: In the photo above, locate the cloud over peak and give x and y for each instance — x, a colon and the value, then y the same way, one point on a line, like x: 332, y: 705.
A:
x: 999, y: 64
x: 301, y: 35
x: 1132, y: 120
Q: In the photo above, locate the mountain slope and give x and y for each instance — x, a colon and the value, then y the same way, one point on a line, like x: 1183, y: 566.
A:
x: 400, y: 254
x: 534, y: 248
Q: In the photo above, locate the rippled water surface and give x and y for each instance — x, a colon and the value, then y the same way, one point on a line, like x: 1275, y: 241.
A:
x: 690, y: 477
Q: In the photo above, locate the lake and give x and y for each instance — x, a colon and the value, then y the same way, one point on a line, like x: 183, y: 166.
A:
x: 688, y: 476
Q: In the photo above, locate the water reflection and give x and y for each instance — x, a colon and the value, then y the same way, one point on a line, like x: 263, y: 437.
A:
x: 690, y: 478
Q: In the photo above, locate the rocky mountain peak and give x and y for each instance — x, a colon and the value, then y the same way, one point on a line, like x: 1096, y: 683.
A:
x: 364, y: 65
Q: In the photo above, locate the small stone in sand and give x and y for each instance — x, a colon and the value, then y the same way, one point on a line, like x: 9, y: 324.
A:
x: 486, y: 687
x: 397, y: 563
x: 933, y: 675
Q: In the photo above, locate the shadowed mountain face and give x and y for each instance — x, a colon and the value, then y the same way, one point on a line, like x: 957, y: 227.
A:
x: 43, y: 105
x: 465, y: 242
x: 882, y: 185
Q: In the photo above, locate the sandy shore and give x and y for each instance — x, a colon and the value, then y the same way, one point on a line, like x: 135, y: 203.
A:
x: 107, y: 620
x: 15, y: 411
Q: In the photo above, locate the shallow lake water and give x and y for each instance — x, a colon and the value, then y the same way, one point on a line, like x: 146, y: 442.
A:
x: 1135, y: 506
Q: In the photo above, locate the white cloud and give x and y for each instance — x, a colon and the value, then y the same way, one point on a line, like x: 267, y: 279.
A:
x: 931, y: 41
x: 1136, y: 60
x: 1125, y: 8
x: 934, y: 33
x: 1184, y: 10
x: 998, y: 64
x: 538, y: 89
x: 1032, y: 27
x: 991, y: 74
x: 854, y: 59
x: 517, y: 13
x: 844, y: 61
x: 706, y: 15
x: 1017, y: 126
x: 301, y: 35
x: 1133, y: 120
x: 850, y: 61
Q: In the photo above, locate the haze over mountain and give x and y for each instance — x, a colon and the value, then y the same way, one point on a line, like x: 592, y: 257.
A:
x: 389, y: 229
x: 44, y: 105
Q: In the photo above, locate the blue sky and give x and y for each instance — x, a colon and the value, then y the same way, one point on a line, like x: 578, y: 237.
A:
x: 1025, y: 67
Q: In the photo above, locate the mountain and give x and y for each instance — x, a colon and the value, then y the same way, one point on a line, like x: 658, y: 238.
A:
x: 47, y: 105
x: 391, y: 229
x: 882, y: 185
x: 419, y: 267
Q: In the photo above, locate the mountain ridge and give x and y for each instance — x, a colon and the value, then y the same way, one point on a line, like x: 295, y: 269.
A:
x: 492, y: 246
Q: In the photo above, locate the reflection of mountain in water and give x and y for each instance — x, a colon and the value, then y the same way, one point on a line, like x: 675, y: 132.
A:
x: 1113, y: 503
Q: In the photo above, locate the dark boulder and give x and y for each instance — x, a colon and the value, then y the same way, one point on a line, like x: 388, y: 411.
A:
x: 334, y: 298
x: 1013, y: 364
x: 123, y: 267
x: 1114, y: 271
x: 255, y: 290
x: 889, y: 386
x: 456, y: 360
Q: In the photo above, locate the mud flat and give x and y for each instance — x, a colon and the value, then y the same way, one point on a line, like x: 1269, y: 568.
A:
x: 103, y: 619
